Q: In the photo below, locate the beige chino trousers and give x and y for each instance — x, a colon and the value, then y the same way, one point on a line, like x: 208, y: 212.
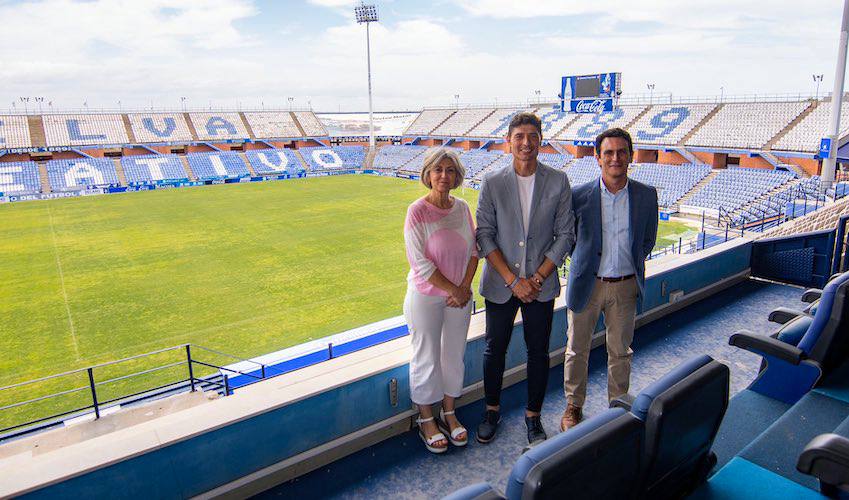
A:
x: 618, y: 302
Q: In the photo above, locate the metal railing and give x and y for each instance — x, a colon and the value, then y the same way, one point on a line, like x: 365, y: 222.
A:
x: 89, y: 394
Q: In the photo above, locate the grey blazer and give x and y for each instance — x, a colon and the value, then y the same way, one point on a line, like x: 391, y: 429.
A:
x: 499, y: 218
x: 586, y: 256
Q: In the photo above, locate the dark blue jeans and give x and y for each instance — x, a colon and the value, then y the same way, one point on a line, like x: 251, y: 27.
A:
x: 537, y: 317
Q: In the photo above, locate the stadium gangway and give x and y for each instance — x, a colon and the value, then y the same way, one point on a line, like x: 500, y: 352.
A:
x: 87, y: 388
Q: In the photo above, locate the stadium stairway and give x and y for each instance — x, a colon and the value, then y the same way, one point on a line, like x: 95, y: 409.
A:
x: 298, y: 124
x: 304, y: 163
x: 765, y: 196
x: 43, y: 177
x: 558, y: 147
x: 688, y: 155
x: 698, y: 187
x: 119, y: 169
x: 369, y: 159
x: 189, y: 173
x: 637, y: 118
x: 192, y: 130
x: 37, y: 136
x: 442, y: 122
x: 246, y: 162
x: 480, y: 121
x: 249, y: 129
x: 128, y: 127
x: 556, y: 133
x: 774, y: 161
x: 781, y: 133
x: 699, y: 125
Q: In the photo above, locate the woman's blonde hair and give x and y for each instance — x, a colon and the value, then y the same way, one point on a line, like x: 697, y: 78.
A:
x: 432, y: 158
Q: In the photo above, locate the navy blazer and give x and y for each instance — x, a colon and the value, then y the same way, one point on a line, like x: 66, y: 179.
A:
x: 586, y: 256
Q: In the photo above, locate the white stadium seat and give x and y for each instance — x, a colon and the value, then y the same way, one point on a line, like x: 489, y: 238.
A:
x: 588, y: 126
x: 271, y: 125
x: 668, y: 123
x: 806, y: 135
x: 428, y: 120
x: 746, y: 125
x: 159, y: 127
x: 14, y: 132
x: 218, y: 126
x: 311, y: 124
x: 461, y: 122
x: 84, y: 130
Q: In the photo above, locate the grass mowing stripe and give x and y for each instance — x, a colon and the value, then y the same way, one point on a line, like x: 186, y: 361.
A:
x: 62, y: 283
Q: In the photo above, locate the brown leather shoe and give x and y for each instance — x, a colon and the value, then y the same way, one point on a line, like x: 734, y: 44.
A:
x: 571, y: 417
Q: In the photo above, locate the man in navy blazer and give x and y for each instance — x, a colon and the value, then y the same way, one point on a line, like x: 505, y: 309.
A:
x: 616, y: 229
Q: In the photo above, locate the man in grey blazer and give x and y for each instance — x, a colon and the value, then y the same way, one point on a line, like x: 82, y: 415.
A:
x: 525, y: 230
x: 616, y: 225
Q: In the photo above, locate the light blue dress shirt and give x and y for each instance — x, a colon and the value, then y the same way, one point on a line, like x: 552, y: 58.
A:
x: 616, y: 259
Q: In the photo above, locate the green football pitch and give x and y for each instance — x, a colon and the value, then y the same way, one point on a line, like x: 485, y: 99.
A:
x: 246, y: 269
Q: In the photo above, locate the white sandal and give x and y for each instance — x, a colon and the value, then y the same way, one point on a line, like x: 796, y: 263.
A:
x: 444, y: 427
x: 429, y: 441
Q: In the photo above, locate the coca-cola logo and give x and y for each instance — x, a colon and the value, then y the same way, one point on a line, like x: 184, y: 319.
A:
x: 596, y: 106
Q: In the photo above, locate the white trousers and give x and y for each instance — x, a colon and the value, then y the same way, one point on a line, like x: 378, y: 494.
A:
x: 439, y: 342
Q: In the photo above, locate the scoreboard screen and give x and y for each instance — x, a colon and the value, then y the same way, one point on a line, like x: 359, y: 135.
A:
x: 590, y: 93
x: 587, y: 87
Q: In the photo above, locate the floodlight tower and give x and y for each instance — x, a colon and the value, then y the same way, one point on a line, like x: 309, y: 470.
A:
x: 829, y: 164
x: 368, y: 14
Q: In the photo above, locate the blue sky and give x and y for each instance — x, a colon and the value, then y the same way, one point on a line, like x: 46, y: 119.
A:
x: 253, y: 53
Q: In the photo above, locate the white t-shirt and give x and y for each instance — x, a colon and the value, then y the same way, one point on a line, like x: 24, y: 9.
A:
x: 526, y: 194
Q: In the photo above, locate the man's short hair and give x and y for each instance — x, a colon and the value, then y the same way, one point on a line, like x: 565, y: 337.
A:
x: 614, y: 132
x: 525, y: 118
x: 433, y: 156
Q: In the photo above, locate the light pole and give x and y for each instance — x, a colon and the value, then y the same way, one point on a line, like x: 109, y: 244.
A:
x: 817, y: 80
x: 456, y: 101
x: 829, y: 164
x: 183, y: 104
x: 290, y: 102
x: 537, y: 92
x: 650, y: 86
x: 25, y: 100
x: 39, y: 100
x: 721, y: 93
x: 368, y: 14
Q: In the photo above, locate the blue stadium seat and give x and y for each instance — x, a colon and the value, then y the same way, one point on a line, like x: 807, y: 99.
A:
x: 337, y: 157
x: 599, y: 458
x: 217, y: 165
x: 82, y: 173
x: 682, y: 412
x: 275, y: 161
x: 19, y: 178
x: 791, y: 371
x: 153, y: 169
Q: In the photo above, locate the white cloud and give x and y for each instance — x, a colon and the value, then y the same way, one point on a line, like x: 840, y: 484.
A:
x: 209, y: 51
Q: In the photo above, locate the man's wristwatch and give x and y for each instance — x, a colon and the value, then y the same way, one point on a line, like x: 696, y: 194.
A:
x: 538, y: 278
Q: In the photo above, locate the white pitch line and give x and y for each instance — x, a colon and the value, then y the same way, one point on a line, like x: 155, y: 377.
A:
x: 62, y: 282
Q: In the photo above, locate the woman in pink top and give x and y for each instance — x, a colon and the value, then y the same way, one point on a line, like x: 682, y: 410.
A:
x: 440, y: 240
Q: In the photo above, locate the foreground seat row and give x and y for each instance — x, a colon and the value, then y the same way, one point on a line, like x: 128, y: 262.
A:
x: 785, y: 436
x: 660, y: 448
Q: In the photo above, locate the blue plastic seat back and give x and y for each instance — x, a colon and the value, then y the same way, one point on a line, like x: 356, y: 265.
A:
x: 793, y: 331
x: 682, y: 412
x: 597, y: 459
x: 827, y: 338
